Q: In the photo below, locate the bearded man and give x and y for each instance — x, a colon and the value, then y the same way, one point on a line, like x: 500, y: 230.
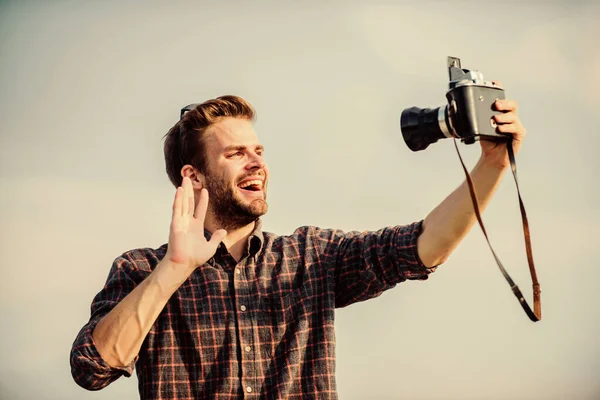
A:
x: 225, y: 310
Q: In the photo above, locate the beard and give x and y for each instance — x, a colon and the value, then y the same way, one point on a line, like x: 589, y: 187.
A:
x: 230, y: 210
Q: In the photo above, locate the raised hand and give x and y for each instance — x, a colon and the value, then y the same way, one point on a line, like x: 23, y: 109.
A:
x: 508, y: 123
x: 188, y: 246
x: 120, y: 334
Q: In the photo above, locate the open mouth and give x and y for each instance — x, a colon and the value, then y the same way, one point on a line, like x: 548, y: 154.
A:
x: 251, y: 186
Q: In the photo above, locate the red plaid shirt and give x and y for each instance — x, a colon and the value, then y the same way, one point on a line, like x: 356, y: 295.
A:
x: 259, y: 328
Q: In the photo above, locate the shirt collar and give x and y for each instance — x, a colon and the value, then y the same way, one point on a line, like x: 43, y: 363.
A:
x: 255, y: 240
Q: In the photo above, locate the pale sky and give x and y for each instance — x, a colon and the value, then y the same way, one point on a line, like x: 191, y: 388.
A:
x: 88, y: 90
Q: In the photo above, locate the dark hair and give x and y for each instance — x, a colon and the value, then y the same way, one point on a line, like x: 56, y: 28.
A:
x: 184, y: 143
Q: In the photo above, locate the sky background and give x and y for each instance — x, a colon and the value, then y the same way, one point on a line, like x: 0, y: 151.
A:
x: 88, y: 90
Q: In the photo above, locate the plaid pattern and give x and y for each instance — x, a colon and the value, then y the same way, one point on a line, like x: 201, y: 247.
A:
x: 260, y: 328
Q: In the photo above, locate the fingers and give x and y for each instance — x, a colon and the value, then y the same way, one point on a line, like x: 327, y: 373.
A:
x: 515, y: 129
x: 506, y: 118
x: 185, y: 202
x: 202, y: 206
x: 508, y: 121
x: 506, y: 105
x: 507, y: 128
x: 177, y: 203
x: 190, y: 198
x: 184, y: 199
x: 187, y: 189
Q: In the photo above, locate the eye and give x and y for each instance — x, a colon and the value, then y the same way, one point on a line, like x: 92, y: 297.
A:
x: 236, y: 154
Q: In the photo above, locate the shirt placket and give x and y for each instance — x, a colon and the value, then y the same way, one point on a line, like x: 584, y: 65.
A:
x: 245, y: 305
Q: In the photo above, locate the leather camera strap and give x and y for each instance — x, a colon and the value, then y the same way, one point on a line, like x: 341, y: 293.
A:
x: 535, y: 315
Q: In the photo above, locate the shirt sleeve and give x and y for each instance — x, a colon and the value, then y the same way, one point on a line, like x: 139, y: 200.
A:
x: 365, y: 264
x: 88, y: 368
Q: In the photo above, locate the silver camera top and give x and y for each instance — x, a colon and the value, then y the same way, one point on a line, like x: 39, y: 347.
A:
x: 464, y: 77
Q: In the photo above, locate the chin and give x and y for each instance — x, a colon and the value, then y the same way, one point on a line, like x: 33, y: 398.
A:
x: 258, y: 207
x: 253, y: 208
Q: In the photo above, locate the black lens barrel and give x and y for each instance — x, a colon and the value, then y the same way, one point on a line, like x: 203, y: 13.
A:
x: 420, y: 127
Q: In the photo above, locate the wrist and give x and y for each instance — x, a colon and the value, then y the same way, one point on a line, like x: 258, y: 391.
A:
x: 492, y: 163
x: 169, y: 276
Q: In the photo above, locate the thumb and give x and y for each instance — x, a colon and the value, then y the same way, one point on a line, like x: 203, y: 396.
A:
x: 217, y: 237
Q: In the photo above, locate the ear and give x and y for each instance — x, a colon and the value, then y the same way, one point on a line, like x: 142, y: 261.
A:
x: 197, y: 178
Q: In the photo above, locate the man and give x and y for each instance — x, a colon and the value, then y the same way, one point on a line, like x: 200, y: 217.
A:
x: 225, y: 310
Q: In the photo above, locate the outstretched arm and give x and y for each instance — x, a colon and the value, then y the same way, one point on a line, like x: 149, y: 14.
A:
x: 446, y: 226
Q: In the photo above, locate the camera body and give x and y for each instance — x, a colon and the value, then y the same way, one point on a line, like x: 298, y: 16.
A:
x: 468, y: 114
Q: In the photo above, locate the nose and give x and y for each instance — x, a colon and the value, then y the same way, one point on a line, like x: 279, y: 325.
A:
x: 256, y: 161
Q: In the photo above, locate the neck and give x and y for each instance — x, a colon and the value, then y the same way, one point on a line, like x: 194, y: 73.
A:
x: 237, y: 238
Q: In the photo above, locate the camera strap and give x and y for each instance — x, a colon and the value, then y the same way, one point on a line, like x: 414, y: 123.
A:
x: 536, y: 314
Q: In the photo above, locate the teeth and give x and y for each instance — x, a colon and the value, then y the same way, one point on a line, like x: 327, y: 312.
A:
x: 250, y: 183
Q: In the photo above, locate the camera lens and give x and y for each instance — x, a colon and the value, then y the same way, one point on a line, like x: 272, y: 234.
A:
x: 421, y: 127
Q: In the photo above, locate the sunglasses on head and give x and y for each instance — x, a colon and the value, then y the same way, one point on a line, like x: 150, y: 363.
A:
x: 187, y: 108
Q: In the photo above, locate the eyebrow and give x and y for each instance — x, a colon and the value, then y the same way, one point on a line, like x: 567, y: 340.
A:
x: 241, y: 148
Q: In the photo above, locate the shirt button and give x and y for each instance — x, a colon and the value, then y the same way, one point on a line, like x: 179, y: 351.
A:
x: 238, y: 271
x: 248, y: 348
x: 243, y: 308
x: 248, y: 389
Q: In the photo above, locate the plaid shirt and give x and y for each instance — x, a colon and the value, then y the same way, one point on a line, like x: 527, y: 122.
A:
x: 262, y: 327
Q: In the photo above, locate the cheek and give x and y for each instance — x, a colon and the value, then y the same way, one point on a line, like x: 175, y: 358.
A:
x: 227, y: 176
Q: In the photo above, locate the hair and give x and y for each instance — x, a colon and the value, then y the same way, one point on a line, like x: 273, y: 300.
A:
x: 185, y: 141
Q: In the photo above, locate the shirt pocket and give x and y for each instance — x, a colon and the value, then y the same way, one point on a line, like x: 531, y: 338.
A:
x: 284, y: 321
x: 278, y: 308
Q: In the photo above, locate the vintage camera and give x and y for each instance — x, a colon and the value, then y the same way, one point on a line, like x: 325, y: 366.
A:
x: 467, y: 116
